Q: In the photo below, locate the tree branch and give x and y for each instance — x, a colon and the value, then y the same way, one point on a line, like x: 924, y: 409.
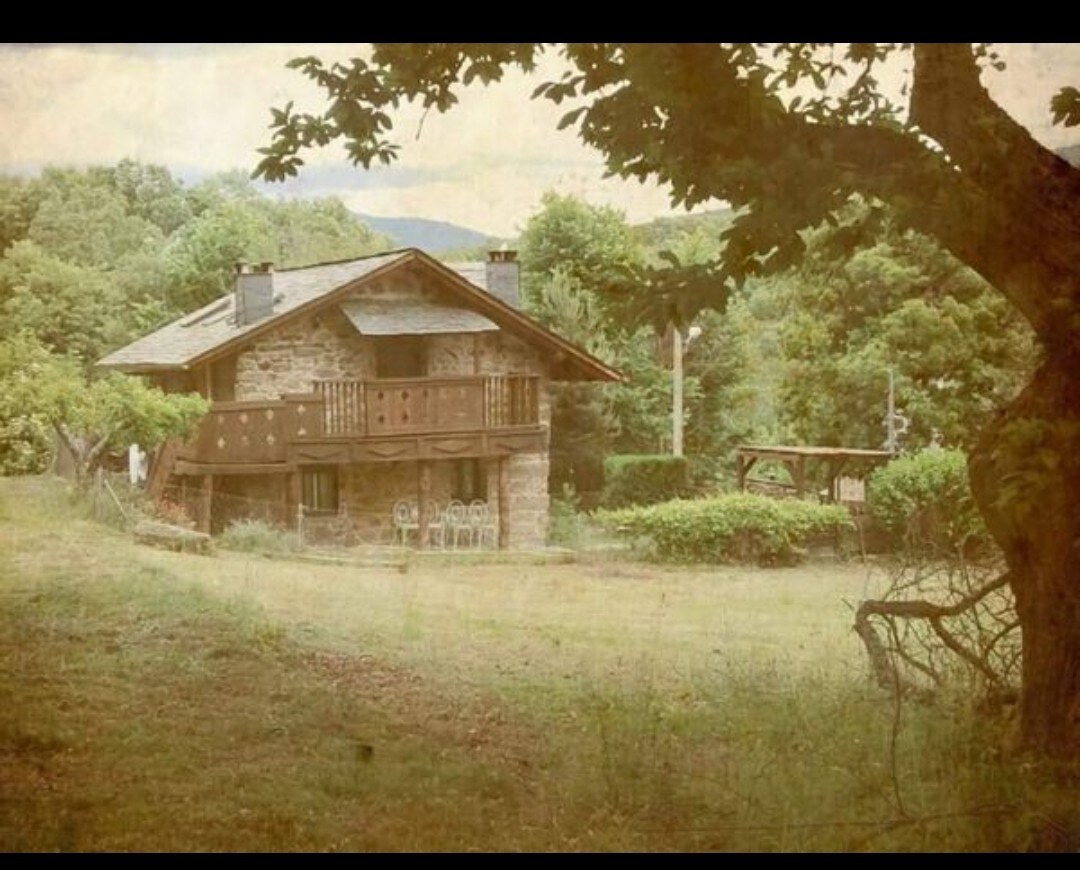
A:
x: 1019, y: 197
x: 883, y: 669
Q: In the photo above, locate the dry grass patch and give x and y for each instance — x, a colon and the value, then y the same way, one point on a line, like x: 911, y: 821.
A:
x: 161, y: 701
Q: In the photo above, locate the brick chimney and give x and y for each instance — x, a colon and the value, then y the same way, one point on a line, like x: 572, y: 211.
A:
x: 503, y: 276
x: 254, y: 292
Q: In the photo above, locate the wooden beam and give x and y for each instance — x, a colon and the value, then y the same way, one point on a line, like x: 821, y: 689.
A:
x: 743, y: 464
x: 184, y: 467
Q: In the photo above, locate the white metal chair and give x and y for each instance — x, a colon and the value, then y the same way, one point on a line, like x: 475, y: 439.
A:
x: 405, y: 521
x: 435, y: 524
x: 457, y: 521
x: 482, y: 528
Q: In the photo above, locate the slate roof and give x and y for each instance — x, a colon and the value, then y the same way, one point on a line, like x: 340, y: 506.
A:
x: 212, y: 329
x: 177, y: 343
x: 411, y: 317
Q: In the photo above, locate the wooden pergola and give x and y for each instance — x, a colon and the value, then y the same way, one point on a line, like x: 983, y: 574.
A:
x: 795, y: 459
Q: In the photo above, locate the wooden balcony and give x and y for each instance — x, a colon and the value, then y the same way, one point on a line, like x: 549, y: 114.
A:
x: 369, y: 421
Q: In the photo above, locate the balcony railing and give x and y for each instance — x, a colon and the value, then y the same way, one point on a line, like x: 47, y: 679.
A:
x: 415, y: 405
x: 260, y: 431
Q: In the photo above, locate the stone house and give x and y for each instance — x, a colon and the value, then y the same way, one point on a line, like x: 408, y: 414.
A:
x: 355, y: 389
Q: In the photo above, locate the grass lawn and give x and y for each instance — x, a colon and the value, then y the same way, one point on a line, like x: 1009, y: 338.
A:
x: 171, y: 702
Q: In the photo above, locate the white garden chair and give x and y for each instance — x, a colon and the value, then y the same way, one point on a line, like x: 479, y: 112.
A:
x: 405, y: 521
x: 457, y: 522
x: 482, y: 528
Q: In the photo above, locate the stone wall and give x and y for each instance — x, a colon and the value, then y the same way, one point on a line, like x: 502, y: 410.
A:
x: 322, y: 346
x: 528, y: 488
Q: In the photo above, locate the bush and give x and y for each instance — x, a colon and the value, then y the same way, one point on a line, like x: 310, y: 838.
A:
x: 924, y: 501
x: 25, y: 445
x: 258, y: 536
x: 736, y: 527
x: 565, y: 522
x: 632, y: 480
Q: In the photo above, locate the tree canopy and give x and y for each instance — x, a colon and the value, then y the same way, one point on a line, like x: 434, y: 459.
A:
x: 94, y: 258
x: 788, y: 134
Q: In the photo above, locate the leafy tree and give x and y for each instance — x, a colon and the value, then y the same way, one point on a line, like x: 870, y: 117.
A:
x: 956, y: 349
x: 201, y: 256
x: 72, y: 309
x: 84, y: 220
x: 587, y: 242
x: 315, y: 231
x: 233, y: 222
x: 581, y: 422
x: 86, y: 274
x: 152, y: 194
x: 787, y: 134
x: 90, y: 416
x: 19, y: 198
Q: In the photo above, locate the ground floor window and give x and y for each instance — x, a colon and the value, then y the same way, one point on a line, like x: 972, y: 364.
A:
x: 319, y: 488
x: 469, y: 481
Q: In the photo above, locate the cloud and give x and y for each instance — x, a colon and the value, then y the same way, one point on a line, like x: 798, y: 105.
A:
x: 206, y: 107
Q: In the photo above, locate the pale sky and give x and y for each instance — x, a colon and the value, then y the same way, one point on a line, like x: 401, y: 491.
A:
x: 203, y: 108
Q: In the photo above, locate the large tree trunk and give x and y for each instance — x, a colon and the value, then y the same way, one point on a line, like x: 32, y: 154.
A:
x: 1025, y: 473
x: 1013, y: 214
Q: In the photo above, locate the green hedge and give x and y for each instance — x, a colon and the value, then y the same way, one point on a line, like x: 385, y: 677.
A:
x: 643, y: 479
x: 736, y: 528
x: 923, y: 500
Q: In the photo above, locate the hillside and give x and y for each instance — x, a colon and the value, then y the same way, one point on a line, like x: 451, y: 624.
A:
x: 435, y: 237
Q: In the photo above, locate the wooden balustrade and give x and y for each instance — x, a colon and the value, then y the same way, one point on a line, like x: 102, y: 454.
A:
x: 258, y: 432
x: 416, y: 405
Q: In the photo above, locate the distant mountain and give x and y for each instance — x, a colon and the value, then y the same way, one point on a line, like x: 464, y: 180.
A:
x: 660, y: 232
x: 433, y: 237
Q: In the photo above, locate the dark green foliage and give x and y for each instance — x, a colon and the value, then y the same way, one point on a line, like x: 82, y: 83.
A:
x: 565, y: 522
x: 734, y: 528
x: 958, y: 352
x: 633, y: 480
x: 924, y: 501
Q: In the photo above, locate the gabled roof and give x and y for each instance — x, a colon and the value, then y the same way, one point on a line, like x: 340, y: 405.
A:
x: 212, y: 331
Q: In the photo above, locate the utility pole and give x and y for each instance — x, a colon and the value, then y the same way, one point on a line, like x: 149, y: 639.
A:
x: 677, y: 349
x: 676, y: 391
x: 896, y: 424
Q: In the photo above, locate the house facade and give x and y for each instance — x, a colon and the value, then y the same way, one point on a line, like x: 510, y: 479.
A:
x: 354, y: 390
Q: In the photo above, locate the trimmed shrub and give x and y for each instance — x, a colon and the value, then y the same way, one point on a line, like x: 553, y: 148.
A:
x: 257, y: 536
x: 924, y: 501
x: 738, y: 528
x: 643, y: 479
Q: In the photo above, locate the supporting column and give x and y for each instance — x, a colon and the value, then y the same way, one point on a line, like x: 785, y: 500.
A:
x: 290, y: 496
x: 207, y: 503
x: 799, y: 467
x: 504, y: 502
x: 423, y: 499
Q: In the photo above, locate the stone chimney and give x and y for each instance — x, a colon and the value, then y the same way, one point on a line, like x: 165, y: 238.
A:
x: 254, y: 292
x: 503, y: 276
